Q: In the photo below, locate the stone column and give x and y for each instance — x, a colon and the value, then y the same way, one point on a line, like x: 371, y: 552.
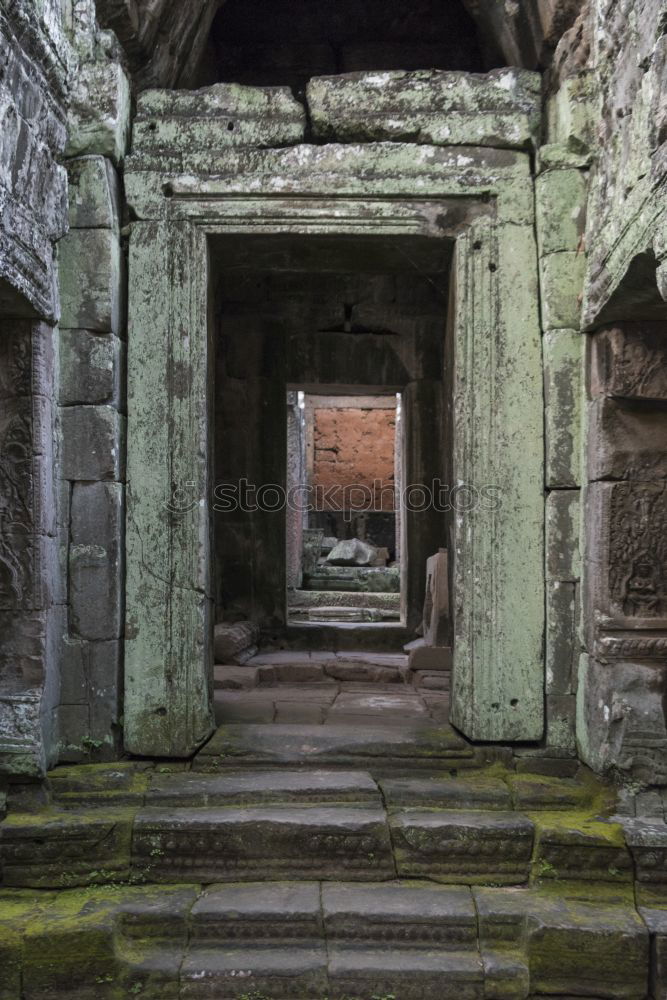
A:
x: 498, y: 578
x: 168, y: 632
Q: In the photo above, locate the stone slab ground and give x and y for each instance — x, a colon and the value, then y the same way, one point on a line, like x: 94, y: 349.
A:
x: 330, y: 862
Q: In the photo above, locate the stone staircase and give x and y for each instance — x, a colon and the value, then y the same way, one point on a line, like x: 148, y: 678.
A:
x: 326, y: 863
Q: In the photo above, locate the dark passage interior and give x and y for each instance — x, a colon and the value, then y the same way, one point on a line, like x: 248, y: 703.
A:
x: 286, y: 42
x: 344, y: 472
x: 336, y: 323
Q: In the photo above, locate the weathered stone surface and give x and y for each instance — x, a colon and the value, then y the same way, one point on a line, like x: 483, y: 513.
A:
x: 368, y: 672
x: 625, y: 443
x: 561, y: 652
x: 497, y: 691
x: 105, y: 785
x: 620, y: 717
x: 591, y: 851
x: 468, y: 847
x: 168, y: 648
x: 92, y: 446
x: 629, y: 361
x: 236, y: 844
x: 562, y: 535
x: 91, y: 368
x: 235, y: 643
x: 561, y: 722
x: 353, y: 552
x: 498, y: 109
x: 235, y: 678
x: 333, y: 745
x: 261, y: 787
x: 206, y: 974
x: 91, y: 281
x: 90, y: 700
x: 628, y: 522
x: 96, y: 560
x: 563, y: 395
x: 65, y: 849
x: 647, y: 842
x: 399, y: 914
x: 417, y: 975
x: 226, y: 114
x: 99, y: 111
x: 94, y: 193
x: 446, y: 793
x: 33, y: 98
x: 257, y: 912
x: 364, y: 579
x: 560, y: 201
x: 431, y: 658
x: 574, y: 946
x: 561, y: 283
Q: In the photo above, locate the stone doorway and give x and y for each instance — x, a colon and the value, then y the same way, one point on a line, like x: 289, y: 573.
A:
x: 481, y: 207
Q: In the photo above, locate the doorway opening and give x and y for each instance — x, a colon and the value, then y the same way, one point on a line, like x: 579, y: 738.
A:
x: 344, y: 473
x: 339, y: 332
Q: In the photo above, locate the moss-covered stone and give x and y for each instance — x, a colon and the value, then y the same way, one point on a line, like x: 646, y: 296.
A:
x: 54, y: 849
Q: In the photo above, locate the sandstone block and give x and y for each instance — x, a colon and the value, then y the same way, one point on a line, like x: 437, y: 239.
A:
x: 235, y: 642
x: 430, y: 658
x: 560, y: 202
x: 592, y: 850
x: 561, y: 722
x: 224, y: 115
x: 65, y: 849
x: 91, y: 367
x: 216, y: 845
x: 91, y: 281
x: 96, y: 560
x: 629, y: 361
x: 561, y: 283
x: 626, y: 443
x: 563, y: 377
x: 562, y: 535
x: 561, y: 644
x: 99, y: 113
x: 92, y: 443
x: 470, y: 847
x: 628, y: 521
x: 94, y: 193
x: 500, y: 108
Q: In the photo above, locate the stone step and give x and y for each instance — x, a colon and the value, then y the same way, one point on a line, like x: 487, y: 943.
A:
x: 262, y: 787
x: 376, y: 749
x: 474, y: 848
x: 227, y: 844
x: 313, y: 941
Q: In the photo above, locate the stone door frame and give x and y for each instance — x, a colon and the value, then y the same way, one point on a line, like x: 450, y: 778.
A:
x: 480, y: 198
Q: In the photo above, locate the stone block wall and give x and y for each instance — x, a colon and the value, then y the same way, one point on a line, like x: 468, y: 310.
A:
x: 92, y: 422
x: 356, y: 447
x: 561, y: 188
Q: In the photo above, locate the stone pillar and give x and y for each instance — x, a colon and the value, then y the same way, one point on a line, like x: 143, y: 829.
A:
x: 30, y: 592
x: 623, y: 683
x: 295, y: 479
x: 498, y: 577
x: 168, y: 633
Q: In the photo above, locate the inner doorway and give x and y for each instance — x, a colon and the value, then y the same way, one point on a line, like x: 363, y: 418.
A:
x: 349, y: 331
x: 344, y: 472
